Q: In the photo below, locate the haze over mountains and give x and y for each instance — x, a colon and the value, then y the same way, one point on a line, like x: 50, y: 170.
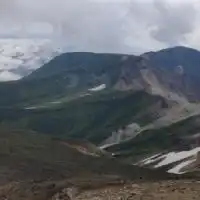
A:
x: 19, y: 57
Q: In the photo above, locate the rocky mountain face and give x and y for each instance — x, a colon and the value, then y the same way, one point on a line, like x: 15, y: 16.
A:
x: 180, y: 67
x: 104, y: 83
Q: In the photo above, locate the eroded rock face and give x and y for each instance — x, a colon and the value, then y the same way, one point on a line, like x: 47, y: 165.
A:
x: 127, y: 132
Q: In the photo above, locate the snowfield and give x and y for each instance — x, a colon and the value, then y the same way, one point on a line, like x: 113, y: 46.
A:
x: 187, y: 158
x: 174, y: 157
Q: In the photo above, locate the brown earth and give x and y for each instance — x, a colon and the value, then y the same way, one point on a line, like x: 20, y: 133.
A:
x: 146, y: 191
x: 66, y: 190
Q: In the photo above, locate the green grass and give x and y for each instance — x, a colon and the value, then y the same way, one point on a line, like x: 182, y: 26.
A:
x: 93, y: 117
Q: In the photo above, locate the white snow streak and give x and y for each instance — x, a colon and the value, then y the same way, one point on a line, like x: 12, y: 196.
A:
x: 150, y: 159
x: 177, y: 168
x: 98, y: 88
x: 187, y: 158
x: 107, y: 145
x: 174, y: 156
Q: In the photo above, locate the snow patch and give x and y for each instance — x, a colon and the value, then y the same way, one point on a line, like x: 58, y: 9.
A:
x: 177, y: 168
x: 160, y: 160
x: 32, y: 108
x: 174, y: 157
x: 150, y: 160
x: 56, y: 102
x: 107, y: 145
x: 98, y: 88
x: 47, y: 105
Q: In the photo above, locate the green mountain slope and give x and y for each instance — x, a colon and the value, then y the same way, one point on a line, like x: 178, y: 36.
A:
x: 93, y: 117
x: 73, y: 73
x: 85, y: 62
x: 65, y: 76
x: 59, y: 99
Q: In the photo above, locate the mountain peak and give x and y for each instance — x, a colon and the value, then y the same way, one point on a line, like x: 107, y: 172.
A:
x: 180, y: 49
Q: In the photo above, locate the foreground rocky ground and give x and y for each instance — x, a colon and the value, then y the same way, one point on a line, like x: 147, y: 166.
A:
x: 162, y: 190
x: 146, y: 191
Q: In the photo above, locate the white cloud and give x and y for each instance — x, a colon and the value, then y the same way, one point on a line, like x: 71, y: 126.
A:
x: 125, y: 26
x: 128, y: 26
x: 7, y: 76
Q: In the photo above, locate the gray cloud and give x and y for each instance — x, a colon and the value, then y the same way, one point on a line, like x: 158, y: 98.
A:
x: 125, y: 26
x: 83, y: 25
x: 174, y: 21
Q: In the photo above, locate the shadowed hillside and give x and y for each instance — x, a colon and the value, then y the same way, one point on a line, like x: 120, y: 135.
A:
x: 29, y: 156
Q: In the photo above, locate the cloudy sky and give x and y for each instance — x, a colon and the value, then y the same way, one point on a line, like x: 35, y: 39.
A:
x: 128, y: 26
x: 125, y: 26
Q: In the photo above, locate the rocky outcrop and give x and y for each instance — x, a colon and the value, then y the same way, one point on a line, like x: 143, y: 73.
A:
x: 66, y: 194
x: 125, y: 133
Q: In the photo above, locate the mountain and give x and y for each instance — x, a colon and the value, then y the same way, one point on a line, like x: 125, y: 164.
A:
x: 94, y: 117
x: 169, y: 73
x: 72, y: 73
x: 180, y: 67
x: 169, y: 70
x: 170, y: 58
x: 87, y: 120
x: 66, y: 77
x: 19, y: 57
x: 129, y: 92
x: 107, y: 93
